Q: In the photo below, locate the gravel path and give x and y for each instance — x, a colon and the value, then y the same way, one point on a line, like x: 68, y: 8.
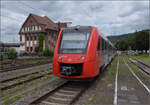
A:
x: 19, y: 72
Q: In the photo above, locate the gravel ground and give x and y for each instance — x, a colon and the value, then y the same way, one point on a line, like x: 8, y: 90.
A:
x: 28, y: 88
x: 102, y: 87
x: 34, y: 95
x: 129, y: 90
x: 19, y: 72
x: 142, y: 75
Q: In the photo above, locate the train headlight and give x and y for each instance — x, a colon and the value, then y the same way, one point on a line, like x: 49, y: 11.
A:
x: 82, y: 57
x: 59, y: 57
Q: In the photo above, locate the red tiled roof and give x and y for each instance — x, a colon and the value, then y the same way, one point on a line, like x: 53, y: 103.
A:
x: 49, y: 24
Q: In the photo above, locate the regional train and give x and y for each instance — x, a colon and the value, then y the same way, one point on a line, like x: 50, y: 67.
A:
x: 81, y: 52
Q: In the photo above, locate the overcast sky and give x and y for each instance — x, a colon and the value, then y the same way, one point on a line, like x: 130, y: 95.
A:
x: 111, y: 17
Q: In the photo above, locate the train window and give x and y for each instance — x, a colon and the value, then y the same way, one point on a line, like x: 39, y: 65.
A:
x: 103, y: 44
x: 74, y: 42
x: 98, y: 46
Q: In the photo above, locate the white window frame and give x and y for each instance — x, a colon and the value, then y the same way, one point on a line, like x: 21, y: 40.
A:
x: 27, y: 43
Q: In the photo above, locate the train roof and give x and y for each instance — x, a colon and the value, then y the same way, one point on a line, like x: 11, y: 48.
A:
x: 78, y: 27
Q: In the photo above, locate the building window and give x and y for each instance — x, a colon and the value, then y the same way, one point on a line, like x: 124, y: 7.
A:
x: 24, y: 28
x: 30, y: 48
x: 39, y: 28
x: 23, y: 38
x: 27, y: 28
x: 27, y: 37
x: 36, y: 27
x: 32, y: 27
x: 31, y: 38
x: 20, y: 38
x: 34, y: 37
x: 27, y: 48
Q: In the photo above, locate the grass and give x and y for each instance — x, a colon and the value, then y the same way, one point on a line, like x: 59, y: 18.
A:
x: 135, y: 68
x: 108, y: 78
x: 32, y: 61
x: 8, y: 100
x: 144, y: 57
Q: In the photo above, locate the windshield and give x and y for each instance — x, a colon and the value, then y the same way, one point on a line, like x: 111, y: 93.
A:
x: 74, y: 42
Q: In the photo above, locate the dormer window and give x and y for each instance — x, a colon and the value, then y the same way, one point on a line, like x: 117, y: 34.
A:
x: 39, y: 28
x: 32, y: 27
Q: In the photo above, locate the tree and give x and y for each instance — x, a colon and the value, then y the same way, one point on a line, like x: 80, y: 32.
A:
x: 41, y: 38
x: 12, y: 54
x: 141, y: 40
x: 48, y: 52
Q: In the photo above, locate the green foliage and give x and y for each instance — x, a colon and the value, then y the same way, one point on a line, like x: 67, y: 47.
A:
x: 12, y: 54
x: 48, y: 52
x: 6, y: 99
x: 137, y: 41
x: 1, y: 57
x: 114, y: 39
x: 41, y: 38
x: 35, y: 86
x: 141, y: 40
x: 40, y: 54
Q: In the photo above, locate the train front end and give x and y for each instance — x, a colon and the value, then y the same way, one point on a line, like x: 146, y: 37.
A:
x: 72, y: 57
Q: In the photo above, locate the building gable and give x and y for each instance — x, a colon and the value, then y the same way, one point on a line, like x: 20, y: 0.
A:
x: 30, y: 21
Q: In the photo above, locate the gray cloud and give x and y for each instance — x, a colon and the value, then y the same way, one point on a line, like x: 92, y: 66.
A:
x: 111, y: 17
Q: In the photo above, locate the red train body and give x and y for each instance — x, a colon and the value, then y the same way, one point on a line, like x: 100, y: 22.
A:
x: 80, y: 52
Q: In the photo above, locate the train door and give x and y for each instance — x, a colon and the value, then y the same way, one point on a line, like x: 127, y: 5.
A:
x: 98, y: 54
x: 102, y: 51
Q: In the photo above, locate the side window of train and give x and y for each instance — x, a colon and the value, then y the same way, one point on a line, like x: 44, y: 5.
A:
x: 98, y: 46
x: 103, y: 44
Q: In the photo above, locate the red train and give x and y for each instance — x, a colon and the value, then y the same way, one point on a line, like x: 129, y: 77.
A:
x: 80, y: 52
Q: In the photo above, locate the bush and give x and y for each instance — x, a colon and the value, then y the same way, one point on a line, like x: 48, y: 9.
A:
x: 48, y: 52
x: 1, y: 57
x: 51, y: 52
x: 40, y: 54
x: 12, y: 54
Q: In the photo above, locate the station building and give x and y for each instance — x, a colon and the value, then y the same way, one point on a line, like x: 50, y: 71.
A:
x: 33, y: 26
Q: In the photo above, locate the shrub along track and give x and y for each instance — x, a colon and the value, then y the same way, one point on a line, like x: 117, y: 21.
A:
x: 66, y: 94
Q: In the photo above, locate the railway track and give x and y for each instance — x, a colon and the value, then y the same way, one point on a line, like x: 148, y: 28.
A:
x: 144, y: 67
x: 15, y: 67
x: 13, y: 82
x: 65, y: 94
